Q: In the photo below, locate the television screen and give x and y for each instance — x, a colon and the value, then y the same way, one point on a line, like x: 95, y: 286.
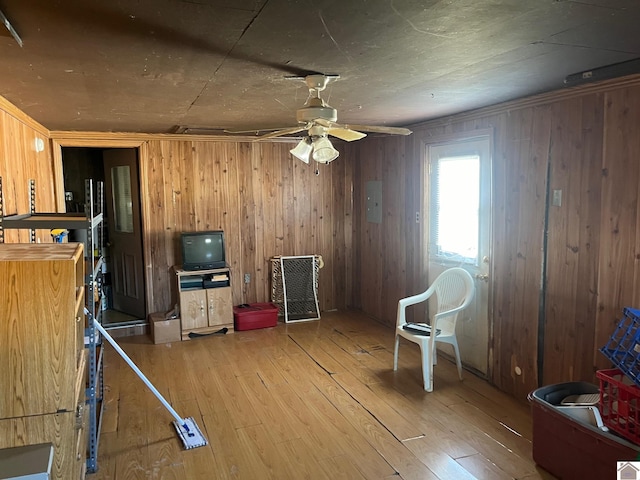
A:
x: 203, y: 250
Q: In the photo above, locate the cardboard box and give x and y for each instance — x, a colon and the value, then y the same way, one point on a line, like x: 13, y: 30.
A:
x: 164, y: 330
x: 255, y: 315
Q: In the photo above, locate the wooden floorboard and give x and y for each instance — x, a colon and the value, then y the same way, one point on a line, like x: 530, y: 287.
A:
x: 311, y: 400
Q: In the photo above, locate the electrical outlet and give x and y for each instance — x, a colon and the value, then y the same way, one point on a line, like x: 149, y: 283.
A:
x: 247, y: 278
x: 417, y: 217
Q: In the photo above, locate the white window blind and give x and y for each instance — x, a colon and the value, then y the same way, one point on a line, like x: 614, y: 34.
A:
x: 454, y: 213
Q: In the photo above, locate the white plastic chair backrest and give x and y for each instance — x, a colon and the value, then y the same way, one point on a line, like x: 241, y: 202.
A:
x: 454, y: 288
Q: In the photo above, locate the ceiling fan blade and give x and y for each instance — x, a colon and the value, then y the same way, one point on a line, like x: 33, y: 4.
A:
x: 256, y: 131
x: 376, y: 129
x: 345, y: 134
x: 340, y: 131
x: 285, y: 131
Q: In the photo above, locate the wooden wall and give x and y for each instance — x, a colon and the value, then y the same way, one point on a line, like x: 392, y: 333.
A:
x: 19, y: 163
x: 582, y: 141
x: 384, y: 252
x: 266, y: 202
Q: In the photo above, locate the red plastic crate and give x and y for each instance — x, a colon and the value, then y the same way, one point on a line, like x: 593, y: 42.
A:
x: 619, y: 404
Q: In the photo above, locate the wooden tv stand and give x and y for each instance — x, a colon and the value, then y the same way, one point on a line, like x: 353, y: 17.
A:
x: 205, y: 300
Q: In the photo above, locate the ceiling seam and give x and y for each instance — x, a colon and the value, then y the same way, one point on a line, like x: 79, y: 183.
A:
x: 244, y: 31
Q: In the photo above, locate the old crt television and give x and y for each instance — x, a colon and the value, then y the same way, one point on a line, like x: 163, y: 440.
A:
x: 202, y: 250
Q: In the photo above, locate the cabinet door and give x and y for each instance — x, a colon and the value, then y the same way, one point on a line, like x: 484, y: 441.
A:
x: 220, y: 306
x: 69, y: 452
x: 193, y: 309
x: 39, y: 344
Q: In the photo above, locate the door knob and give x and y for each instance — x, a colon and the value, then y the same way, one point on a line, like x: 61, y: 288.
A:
x: 484, y: 278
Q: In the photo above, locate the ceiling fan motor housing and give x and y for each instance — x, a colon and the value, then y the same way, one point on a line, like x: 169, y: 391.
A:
x: 309, y: 114
x: 316, y: 108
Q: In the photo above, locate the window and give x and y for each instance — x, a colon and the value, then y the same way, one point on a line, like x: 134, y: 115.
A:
x: 455, y: 201
x: 122, y: 206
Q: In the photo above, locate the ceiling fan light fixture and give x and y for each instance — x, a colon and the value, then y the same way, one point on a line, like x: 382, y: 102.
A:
x: 323, y: 151
x: 302, y: 151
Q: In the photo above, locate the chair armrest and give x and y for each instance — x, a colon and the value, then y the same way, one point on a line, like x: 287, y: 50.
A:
x: 420, y: 297
x: 403, y: 303
x: 447, y: 313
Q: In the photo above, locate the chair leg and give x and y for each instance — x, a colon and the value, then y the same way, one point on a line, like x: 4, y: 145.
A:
x: 427, y: 368
x: 395, y: 353
x: 456, y: 350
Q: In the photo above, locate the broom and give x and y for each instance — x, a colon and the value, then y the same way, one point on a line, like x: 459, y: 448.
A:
x: 187, y: 429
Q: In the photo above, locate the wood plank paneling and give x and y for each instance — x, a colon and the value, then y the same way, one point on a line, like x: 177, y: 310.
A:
x: 245, y: 236
x: 585, y: 145
x: 271, y: 211
x: 530, y: 154
x: 266, y: 202
x: 370, y: 251
x: 619, y: 256
x: 394, y: 214
x: 352, y: 155
x: 573, y: 233
x: 20, y: 163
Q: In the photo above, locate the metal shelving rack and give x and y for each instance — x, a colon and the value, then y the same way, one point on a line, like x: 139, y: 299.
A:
x: 90, y: 221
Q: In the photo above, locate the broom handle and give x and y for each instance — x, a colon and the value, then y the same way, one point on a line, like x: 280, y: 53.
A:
x: 138, y: 372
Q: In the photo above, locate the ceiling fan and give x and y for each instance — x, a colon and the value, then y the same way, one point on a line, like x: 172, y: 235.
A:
x: 320, y: 120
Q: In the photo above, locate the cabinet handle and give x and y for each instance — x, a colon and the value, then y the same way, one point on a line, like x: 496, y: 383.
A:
x: 210, y: 307
x: 201, y: 308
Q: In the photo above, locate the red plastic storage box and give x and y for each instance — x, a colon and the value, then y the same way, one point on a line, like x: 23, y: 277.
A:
x: 569, y: 448
x: 255, y: 315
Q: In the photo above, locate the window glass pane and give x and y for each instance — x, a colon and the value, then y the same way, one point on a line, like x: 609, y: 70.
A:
x: 121, y: 192
x: 457, y: 194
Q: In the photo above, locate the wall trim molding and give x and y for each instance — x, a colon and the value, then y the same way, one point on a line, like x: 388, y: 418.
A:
x: 116, y: 139
x: 22, y: 117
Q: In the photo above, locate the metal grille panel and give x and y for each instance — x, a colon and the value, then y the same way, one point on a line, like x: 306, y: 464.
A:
x: 294, y: 287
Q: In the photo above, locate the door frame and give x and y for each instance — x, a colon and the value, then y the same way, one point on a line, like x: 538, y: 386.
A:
x: 106, y: 140
x: 425, y: 231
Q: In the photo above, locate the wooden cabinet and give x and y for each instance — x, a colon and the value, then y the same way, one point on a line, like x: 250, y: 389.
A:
x: 44, y: 359
x: 205, y: 300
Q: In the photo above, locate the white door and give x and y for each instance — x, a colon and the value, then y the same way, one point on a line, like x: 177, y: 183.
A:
x: 459, y: 233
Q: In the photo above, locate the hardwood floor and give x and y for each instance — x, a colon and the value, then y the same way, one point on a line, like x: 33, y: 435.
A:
x: 315, y: 400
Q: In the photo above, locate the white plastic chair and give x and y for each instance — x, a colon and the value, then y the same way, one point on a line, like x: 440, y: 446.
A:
x: 454, y: 289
